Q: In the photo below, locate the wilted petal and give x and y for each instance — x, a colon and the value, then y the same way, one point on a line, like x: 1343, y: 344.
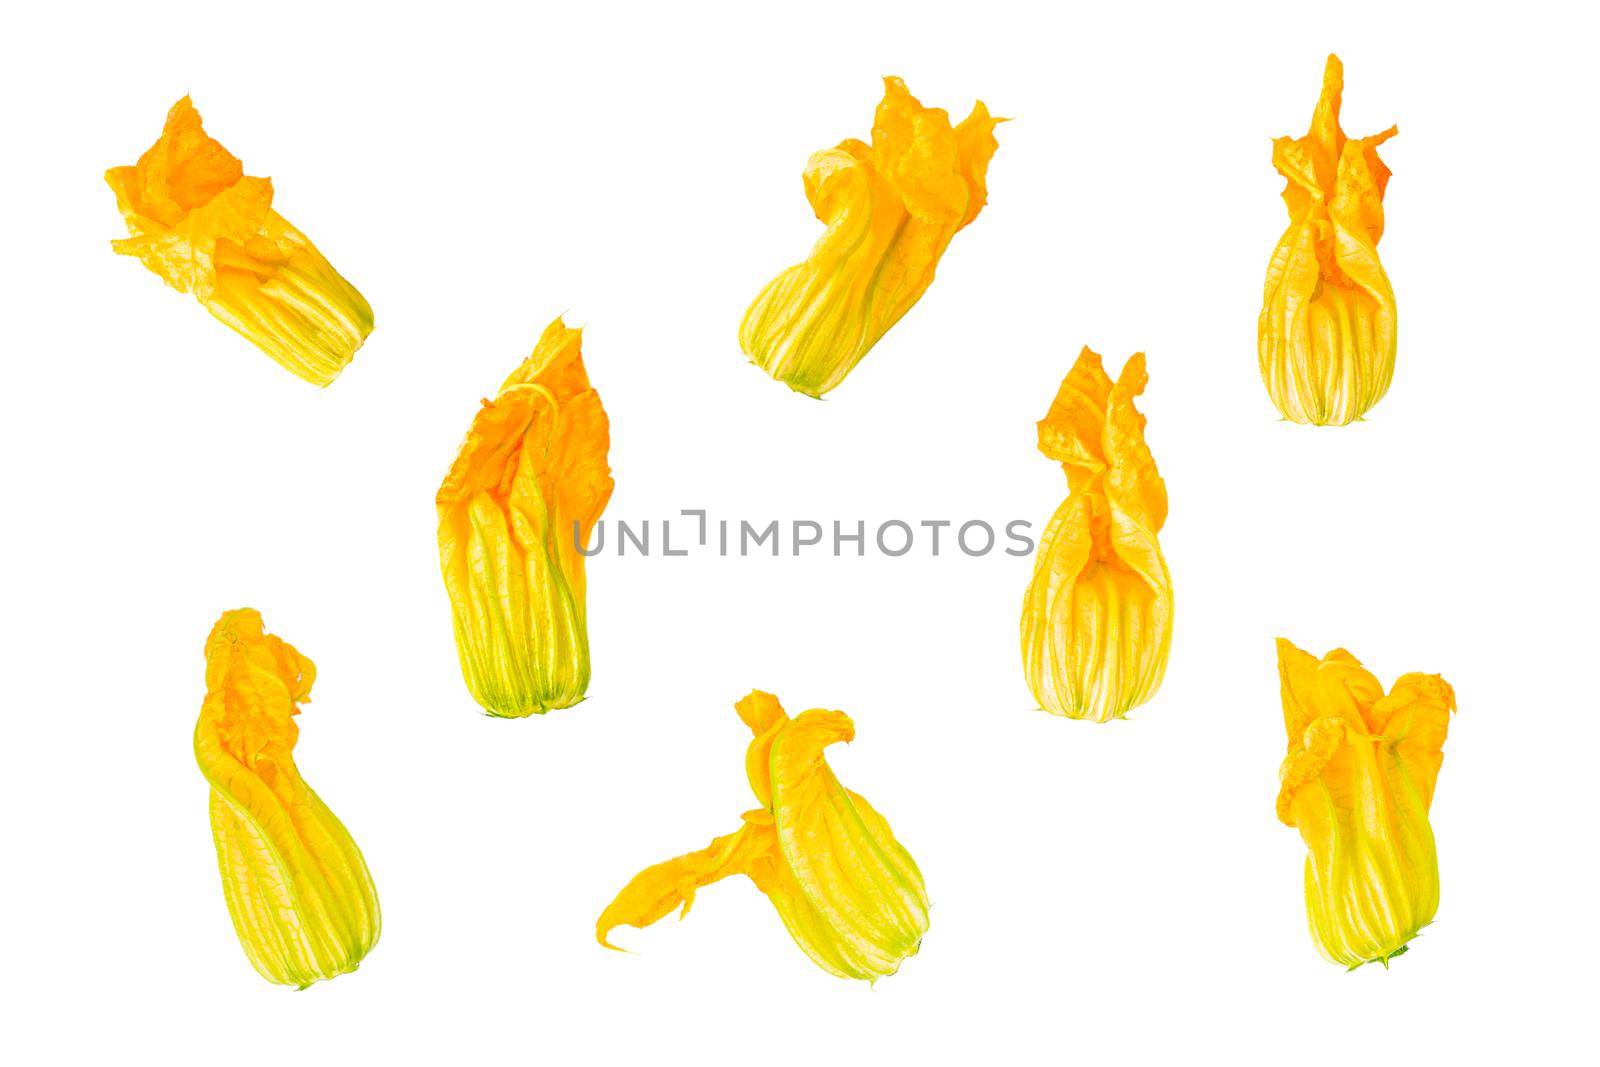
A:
x: 1358, y: 782
x: 659, y: 890
x: 848, y: 893
x: 199, y: 222
x: 302, y: 901
x: 891, y: 208
x: 525, y: 490
x: 1097, y: 616
x: 1327, y: 328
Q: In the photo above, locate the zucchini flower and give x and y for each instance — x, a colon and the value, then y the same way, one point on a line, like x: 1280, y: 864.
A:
x: 1097, y: 617
x: 1327, y: 329
x: 302, y: 901
x: 891, y: 208
x: 848, y: 892
x: 527, y: 487
x: 197, y: 220
x: 1357, y: 783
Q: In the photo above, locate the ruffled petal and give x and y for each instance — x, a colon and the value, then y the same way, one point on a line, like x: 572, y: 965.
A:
x: 184, y: 170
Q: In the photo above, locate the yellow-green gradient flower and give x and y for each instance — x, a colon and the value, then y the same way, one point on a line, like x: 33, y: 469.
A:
x: 891, y: 208
x: 1097, y: 617
x: 302, y: 901
x: 849, y: 894
x: 1357, y: 783
x: 1327, y: 329
x: 524, y: 492
x: 196, y: 219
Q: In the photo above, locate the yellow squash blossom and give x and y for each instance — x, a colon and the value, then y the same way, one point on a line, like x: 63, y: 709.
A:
x: 891, y: 208
x: 196, y: 219
x: 1327, y: 329
x: 1097, y: 617
x: 302, y: 901
x: 849, y: 894
x: 524, y: 492
x: 1357, y: 783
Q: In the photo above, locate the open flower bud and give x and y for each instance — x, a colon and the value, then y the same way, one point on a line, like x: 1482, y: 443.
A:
x: 1097, y: 617
x: 523, y: 494
x: 1327, y: 329
x: 891, y: 208
x: 1357, y: 783
x: 197, y: 220
x: 848, y: 892
x: 302, y: 902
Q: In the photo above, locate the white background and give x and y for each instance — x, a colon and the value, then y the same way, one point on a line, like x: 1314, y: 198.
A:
x: 1117, y: 893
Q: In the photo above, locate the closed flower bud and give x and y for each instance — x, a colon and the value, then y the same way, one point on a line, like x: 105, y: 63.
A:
x: 1357, y: 783
x: 1097, y: 617
x: 526, y: 489
x: 891, y: 208
x: 848, y: 892
x: 197, y: 220
x: 1326, y: 336
x: 302, y: 901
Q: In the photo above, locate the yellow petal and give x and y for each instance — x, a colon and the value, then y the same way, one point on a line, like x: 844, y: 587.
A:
x: 659, y: 890
x: 862, y: 906
x: 1358, y: 782
x: 1097, y: 616
x: 1073, y: 430
x: 765, y: 717
x: 196, y: 220
x: 1413, y: 720
x: 890, y: 208
x: 1327, y: 327
x: 302, y: 901
x: 848, y: 893
x: 526, y: 489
